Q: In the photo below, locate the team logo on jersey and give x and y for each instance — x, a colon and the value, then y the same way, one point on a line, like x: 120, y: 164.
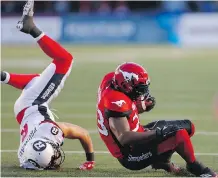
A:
x: 119, y: 103
x: 129, y: 76
x: 54, y: 130
x: 39, y: 145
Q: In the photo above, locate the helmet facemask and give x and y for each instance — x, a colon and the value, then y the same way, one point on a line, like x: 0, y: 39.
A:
x: 58, y: 158
x: 139, y: 92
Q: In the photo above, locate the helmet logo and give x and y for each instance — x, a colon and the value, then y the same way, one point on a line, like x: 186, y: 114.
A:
x: 119, y: 103
x: 39, y: 145
x: 129, y: 76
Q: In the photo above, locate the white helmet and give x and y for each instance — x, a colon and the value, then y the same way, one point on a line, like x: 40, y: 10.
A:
x: 41, y: 153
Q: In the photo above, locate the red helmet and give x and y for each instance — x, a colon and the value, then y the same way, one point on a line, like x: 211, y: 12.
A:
x: 132, y: 79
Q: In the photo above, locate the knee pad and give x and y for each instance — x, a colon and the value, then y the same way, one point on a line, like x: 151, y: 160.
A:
x: 183, y: 124
x: 189, y: 126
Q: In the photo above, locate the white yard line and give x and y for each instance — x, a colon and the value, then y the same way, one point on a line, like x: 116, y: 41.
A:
x: 95, y: 132
x: 106, y: 152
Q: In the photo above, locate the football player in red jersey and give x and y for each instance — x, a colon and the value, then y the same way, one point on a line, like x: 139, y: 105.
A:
x: 122, y: 96
x: 41, y: 137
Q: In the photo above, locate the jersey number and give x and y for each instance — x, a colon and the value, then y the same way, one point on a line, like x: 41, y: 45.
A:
x: 137, y: 124
x: 24, y: 132
x: 103, y: 130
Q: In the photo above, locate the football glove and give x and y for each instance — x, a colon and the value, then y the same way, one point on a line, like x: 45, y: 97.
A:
x: 88, y: 165
x: 151, y: 100
x: 166, y: 131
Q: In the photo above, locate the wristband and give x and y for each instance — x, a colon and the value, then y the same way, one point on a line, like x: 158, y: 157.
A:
x: 90, y: 156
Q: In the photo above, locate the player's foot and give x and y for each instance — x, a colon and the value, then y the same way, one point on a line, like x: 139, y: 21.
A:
x: 199, y: 170
x: 26, y: 23
x: 3, y: 76
x: 169, y: 167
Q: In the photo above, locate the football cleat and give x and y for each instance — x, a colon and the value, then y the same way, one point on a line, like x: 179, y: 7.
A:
x: 199, y: 170
x: 5, y: 77
x: 28, y: 8
x: 26, y: 23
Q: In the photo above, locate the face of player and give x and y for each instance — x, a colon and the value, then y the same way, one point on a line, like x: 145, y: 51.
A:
x: 58, y: 157
x: 140, y: 92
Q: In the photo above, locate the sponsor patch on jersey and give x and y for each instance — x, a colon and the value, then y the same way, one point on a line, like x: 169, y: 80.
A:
x: 51, y: 87
x: 54, y: 130
x: 39, y: 145
x: 119, y: 103
x: 139, y: 158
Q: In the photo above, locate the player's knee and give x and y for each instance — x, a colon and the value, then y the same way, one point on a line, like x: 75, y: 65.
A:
x: 69, y: 57
x: 182, y: 136
x: 191, y: 128
x: 63, y: 66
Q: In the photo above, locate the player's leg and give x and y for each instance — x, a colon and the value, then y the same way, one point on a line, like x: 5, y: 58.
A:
x: 18, y: 81
x: 164, y: 161
x: 184, y: 124
x: 52, y: 79
x: 182, y: 144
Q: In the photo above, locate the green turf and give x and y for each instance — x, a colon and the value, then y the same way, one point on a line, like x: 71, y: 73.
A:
x: 184, y: 82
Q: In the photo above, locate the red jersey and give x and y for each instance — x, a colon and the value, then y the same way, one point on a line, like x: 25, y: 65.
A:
x: 120, y: 105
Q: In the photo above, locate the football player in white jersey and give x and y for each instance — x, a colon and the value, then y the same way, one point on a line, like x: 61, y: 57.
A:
x: 41, y: 137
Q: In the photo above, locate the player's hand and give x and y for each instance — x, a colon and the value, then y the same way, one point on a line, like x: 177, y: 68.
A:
x: 88, y: 165
x: 150, y: 103
x: 166, y: 131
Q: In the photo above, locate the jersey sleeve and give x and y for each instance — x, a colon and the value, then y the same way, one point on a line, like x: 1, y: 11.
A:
x: 117, y: 104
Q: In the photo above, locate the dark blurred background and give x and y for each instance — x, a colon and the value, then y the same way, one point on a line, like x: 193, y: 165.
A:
x: 108, y: 7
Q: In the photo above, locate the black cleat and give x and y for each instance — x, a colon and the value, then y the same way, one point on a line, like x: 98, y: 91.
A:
x: 199, y: 170
x: 26, y: 23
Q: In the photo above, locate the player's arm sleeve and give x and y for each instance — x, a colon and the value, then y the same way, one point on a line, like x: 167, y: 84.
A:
x: 120, y: 128
x: 75, y: 132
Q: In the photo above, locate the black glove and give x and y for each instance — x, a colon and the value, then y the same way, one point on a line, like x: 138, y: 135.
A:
x: 166, y: 131
x: 3, y: 76
x: 153, y: 102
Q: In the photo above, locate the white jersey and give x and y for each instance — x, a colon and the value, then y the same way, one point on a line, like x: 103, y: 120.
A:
x: 34, y: 125
x: 40, y: 91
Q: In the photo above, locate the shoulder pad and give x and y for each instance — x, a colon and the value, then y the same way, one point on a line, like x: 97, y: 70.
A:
x: 117, y: 101
x: 106, y: 80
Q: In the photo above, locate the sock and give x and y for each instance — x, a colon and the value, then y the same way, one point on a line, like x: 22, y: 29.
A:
x: 184, y: 146
x: 19, y: 81
x: 52, y: 48
x: 35, y: 32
